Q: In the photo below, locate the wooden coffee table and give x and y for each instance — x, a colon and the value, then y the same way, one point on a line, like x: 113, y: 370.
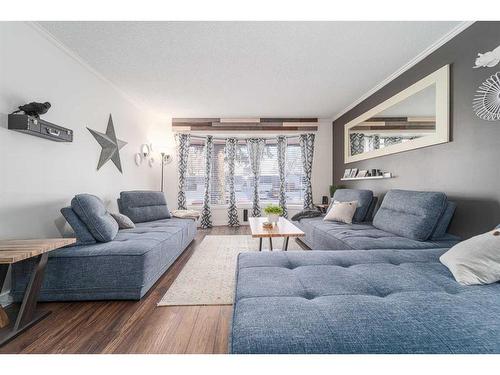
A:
x: 284, y: 228
x: 13, y: 251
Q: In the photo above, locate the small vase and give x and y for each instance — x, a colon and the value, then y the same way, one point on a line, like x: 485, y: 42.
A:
x: 273, y: 218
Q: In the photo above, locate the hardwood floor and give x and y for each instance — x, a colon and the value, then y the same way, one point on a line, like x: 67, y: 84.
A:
x: 133, y: 326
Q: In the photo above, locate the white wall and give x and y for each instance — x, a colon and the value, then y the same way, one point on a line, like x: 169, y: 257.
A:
x: 38, y: 177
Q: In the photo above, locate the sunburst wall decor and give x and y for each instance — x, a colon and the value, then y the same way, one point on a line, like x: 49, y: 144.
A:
x: 486, y: 103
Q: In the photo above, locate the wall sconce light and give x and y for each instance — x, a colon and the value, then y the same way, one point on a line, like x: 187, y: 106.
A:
x: 145, y: 150
x: 144, y: 154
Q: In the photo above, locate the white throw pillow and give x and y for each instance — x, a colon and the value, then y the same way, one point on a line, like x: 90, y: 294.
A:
x: 476, y: 260
x: 341, y: 211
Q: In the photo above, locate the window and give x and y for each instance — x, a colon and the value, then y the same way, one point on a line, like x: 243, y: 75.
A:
x: 243, y: 181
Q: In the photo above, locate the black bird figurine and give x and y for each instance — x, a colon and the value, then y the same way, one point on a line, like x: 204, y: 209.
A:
x: 34, y: 109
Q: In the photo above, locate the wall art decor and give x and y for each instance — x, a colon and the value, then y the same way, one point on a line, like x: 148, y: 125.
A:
x: 488, y: 59
x: 111, y: 145
x: 486, y: 103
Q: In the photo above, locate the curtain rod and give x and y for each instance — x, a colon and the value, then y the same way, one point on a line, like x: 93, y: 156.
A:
x: 203, y: 137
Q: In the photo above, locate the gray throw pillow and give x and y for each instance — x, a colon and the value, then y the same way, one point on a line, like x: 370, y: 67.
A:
x: 123, y: 221
x: 91, y: 210
x: 82, y: 234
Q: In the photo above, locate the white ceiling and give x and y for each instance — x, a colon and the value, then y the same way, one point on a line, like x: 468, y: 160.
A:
x: 247, y: 69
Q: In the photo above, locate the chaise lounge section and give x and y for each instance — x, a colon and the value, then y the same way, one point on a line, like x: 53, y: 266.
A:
x: 373, y: 301
x: 122, y: 269
x: 405, y: 220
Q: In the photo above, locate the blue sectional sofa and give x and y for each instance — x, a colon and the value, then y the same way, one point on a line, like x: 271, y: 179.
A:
x: 373, y: 301
x: 125, y: 267
x: 405, y: 220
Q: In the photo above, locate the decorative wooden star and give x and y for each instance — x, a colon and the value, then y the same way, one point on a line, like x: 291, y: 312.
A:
x: 111, y: 146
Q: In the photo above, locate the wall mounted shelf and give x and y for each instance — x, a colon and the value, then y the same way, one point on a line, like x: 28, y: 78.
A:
x: 365, y: 178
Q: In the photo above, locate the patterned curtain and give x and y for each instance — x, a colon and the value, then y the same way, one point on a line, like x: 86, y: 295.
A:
x: 206, y: 213
x: 389, y: 141
x: 183, y: 152
x: 232, y: 212
x: 281, y: 150
x: 255, y: 152
x: 357, y: 143
x: 307, y: 147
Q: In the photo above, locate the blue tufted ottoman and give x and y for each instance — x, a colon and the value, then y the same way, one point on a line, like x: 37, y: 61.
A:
x: 373, y: 301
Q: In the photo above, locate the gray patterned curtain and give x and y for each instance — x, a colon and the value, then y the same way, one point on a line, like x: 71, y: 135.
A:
x: 281, y: 151
x: 232, y: 212
x: 373, y: 142
x: 307, y: 148
x: 357, y: 143
x: 255, y: 152
x: 389, y: 141
x: 206, y: 213
x: 183, y: 152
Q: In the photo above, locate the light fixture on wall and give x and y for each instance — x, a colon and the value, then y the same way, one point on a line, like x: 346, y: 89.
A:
x: 166, y: 158
x: 145, y: 154
x: 145, y: 150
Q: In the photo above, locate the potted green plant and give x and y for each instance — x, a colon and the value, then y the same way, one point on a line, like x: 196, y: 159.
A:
x: 273, y: 212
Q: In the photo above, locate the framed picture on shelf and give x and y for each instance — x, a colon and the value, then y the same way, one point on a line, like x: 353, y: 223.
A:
x: 347, y: 173
x: 354, y: 173
x: 362, y: 173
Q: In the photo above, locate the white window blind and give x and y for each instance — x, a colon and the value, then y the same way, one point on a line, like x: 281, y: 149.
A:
x: 268, y: 183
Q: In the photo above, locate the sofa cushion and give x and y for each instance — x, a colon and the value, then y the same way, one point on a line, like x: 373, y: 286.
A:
x: 375, y: 301
x: 363, y: 197
x: 142, y: 206
x: 82, y: 233
x: 411, y: 214
x: 444, y: 221
x: 324, y: 235
x: 371, y: 209
x: 91, y: 210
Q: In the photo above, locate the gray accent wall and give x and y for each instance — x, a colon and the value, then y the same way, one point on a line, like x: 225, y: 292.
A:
x: 467, y: 169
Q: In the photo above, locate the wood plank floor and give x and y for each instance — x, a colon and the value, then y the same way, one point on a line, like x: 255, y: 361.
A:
x: 133, y: 326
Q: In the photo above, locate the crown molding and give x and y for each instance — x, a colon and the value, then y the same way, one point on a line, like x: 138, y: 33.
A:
x: 61, y: 46
x: 422, y: 55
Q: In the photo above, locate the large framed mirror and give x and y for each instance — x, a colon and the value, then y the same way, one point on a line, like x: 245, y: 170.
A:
x: 415, y: 117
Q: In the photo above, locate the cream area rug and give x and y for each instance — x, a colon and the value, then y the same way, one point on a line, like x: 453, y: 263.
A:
x: 208, y: 277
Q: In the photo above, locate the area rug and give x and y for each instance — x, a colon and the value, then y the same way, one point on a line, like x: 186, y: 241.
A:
x: 208, y: 278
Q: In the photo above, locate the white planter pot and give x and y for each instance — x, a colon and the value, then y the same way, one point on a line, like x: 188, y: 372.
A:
x: 273, y: 218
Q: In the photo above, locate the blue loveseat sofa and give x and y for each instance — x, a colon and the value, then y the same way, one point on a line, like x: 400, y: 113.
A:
x: 373, y: 301
x: 405, y: 220
x: 125, y: 267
